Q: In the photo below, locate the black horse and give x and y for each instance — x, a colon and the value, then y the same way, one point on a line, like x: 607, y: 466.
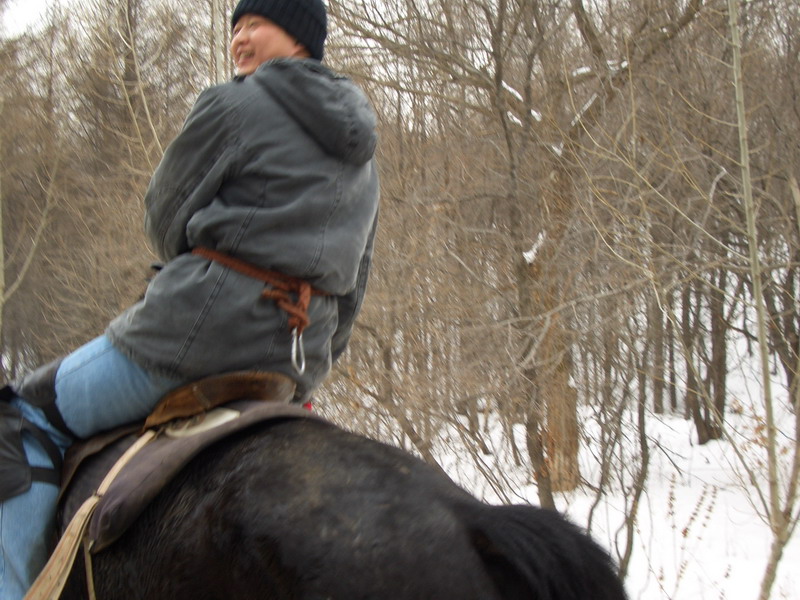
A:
x: 300, y: 509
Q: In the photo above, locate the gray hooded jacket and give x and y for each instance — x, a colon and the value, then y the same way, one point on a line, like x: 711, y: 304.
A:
x: 276, y: 169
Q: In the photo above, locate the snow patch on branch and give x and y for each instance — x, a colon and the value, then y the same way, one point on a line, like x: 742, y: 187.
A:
x: 530, y: 255
x: 584, y: 110
x: 512, y: 91
x: 537, y: 116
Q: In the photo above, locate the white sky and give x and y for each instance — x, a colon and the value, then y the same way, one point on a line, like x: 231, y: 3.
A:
x: 21, y: 14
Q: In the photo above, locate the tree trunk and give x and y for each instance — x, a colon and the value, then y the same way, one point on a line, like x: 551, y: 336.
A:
x: 657, y: 375
x: 551, y: 377
x: 718, y: 369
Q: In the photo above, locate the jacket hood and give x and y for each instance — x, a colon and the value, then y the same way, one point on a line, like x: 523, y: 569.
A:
x: 328, y: 106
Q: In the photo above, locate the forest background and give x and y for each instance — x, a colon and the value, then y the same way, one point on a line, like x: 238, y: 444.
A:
x: 589, y: 230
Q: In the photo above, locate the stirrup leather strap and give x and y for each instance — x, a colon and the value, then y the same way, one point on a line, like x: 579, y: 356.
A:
x: 53, y: 578
x: 45, y: 474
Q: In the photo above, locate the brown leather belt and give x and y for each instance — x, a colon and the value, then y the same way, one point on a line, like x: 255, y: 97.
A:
x: 281, y: 288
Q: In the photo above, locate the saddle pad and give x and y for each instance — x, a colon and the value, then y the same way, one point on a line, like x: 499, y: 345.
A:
x: 160, y: 460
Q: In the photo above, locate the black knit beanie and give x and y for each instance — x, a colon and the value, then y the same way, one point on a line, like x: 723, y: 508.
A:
x: 304, y: 20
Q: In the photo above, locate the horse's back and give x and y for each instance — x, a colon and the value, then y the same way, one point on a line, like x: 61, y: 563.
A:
x: 303, y: 510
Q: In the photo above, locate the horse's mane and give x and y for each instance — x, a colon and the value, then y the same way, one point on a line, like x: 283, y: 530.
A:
x: 534, y: 553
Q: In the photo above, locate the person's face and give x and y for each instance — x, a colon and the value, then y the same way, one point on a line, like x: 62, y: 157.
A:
x: 257, y: 39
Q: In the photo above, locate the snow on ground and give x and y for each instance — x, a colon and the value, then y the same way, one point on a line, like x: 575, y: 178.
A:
x: 698, y: 535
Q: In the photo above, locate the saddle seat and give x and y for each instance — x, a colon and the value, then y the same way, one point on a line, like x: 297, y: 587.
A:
x: 185, y: 422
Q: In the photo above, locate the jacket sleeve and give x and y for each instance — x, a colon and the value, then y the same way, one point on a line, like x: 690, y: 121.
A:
x: 191, y: 172
x: 350, y: 304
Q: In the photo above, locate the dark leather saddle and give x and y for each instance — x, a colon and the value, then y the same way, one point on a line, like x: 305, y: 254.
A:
x: 185, y: 422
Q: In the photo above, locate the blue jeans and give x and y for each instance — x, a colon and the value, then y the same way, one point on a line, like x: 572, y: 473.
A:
x: 97, y: 388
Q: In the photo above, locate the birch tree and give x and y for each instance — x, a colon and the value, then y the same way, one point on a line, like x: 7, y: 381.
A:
x: 776, y: 494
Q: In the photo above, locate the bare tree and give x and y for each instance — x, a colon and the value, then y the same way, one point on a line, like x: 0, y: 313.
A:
x: 779, y: 500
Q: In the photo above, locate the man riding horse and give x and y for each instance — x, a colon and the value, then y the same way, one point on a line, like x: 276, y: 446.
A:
x: 264, y: 210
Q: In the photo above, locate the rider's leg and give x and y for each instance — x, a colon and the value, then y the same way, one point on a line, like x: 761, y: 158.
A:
x: 27, y: 520
x: 99, y: 388
x: 96, y: 388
